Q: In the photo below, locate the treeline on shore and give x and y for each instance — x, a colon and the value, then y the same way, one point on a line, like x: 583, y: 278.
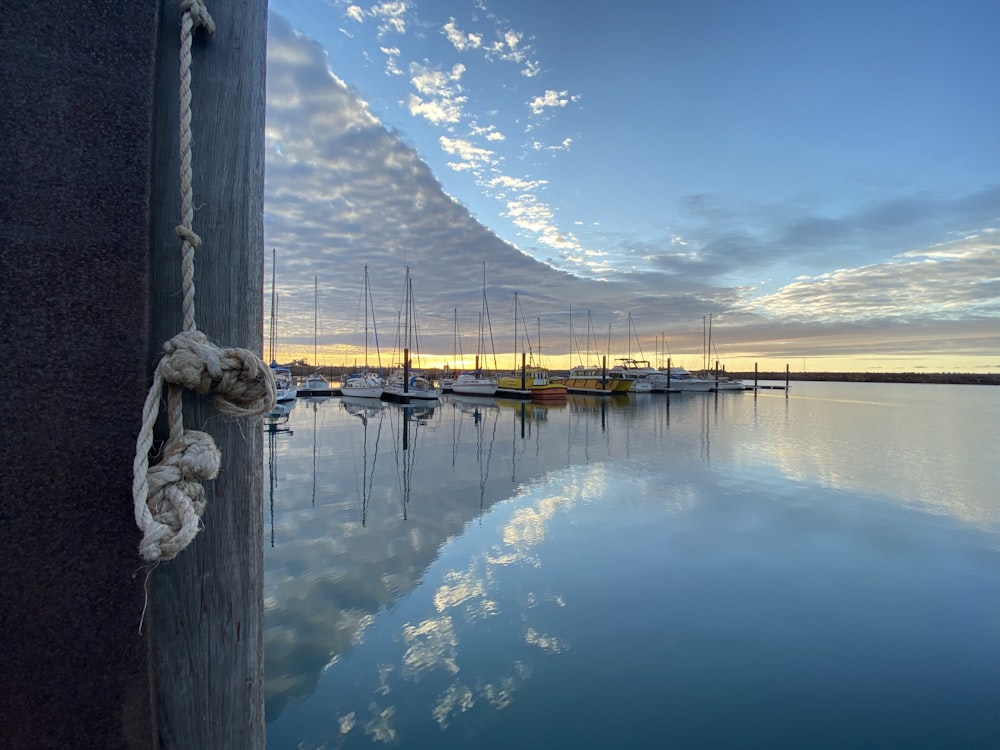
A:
x: 945, y: 378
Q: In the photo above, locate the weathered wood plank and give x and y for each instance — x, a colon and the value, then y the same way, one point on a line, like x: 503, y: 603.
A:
x: 207, y: 607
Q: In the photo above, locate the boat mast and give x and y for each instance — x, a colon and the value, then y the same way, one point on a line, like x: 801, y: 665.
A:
x: 274, y: 304
x: 366, y: 294
x: 489, y: 324
x: 539, y: 341
x: 315, y: 320
x: 628, y: 335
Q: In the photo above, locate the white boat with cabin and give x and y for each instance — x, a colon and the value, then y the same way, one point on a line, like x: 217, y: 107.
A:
x: 284, y: 383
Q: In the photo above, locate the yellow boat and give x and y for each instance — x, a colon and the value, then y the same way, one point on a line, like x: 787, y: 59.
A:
x: 534, y: 383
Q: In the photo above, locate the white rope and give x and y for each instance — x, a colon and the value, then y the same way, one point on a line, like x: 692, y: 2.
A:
x: 169, y: 498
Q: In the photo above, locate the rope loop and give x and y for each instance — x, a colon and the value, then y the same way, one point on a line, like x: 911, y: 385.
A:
x: 240, y: 382
x: 176, y: 497
x: 199, y: 14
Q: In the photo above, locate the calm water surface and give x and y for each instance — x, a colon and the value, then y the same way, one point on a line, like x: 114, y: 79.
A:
x: 821, y: 570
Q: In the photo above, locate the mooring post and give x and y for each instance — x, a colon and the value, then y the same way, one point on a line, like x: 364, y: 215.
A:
x: 786, y: 380
x: 406, y: 375
x: 205, y: 614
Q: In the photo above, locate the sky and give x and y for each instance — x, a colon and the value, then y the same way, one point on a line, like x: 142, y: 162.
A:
x: 819, y: 180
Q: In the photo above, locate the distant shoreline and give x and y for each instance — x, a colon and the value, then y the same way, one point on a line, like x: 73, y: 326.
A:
x: 300, y: 369
x: 943, y: 378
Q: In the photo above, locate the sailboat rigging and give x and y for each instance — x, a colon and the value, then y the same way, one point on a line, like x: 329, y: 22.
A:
x: 283, y: 381
x: 405, y: 384
x: 365, y: 384
x: 479, y: 383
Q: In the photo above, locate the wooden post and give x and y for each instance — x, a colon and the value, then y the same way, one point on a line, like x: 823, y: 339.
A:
x: 406, y: 374
x: 754, y: 378
x: 206, y: 607
x: 786, y: 380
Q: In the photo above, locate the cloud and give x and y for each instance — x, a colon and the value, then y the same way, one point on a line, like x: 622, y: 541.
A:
x: 547, y: 100
x: 489, y: 132
x: 507, y: 45
x: 459, y: 40
x: 951, y: 281
x: 392, y: 60
x: 470, y: 156
x: 441, y: 91
x: 391, y: 17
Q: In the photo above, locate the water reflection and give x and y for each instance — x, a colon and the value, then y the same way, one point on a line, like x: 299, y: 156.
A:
x: 366, y: 409
x: 275, y: 423
x: 485, y: 415
x: 339, y: 579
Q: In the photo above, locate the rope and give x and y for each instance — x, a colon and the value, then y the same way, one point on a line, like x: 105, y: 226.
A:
x: 168, y: 497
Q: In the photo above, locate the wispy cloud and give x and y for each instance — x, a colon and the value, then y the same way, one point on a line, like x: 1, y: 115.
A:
x: 470, y: 157
x: 391, y: 17
x: 952, y: 281
x: 438, y: 97
x: 549, y: 99
x: 461, y: 41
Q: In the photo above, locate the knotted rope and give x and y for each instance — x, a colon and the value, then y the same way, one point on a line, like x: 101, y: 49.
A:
x: 169, y: 498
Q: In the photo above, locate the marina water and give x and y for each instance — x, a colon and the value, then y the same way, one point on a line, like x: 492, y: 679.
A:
x: 694, y: 570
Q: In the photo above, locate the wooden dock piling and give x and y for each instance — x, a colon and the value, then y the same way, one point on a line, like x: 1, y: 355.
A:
x: 90, y: 161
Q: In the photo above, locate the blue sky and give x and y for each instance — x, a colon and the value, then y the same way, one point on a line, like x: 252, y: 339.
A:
x: 823, y: 179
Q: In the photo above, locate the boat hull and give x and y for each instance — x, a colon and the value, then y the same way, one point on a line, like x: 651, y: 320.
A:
x: 598, y: 386
x: 361, y: 391
x: 485, y: 389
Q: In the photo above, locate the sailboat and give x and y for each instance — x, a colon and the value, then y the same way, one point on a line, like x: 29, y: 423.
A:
x: 721, y: 381
x: 316, y: 384
x: 405, y: 385
x: 477, y: 383
x: 447, y: 379
x: 364, y: 384
x: 283, y: 380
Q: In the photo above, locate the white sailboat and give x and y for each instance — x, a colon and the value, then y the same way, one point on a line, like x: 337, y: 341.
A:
x: 285, y: 389
x: 404, y: 384
x: 477, y: 382
x: 364, y: 384
x: 721, y: 381
x: 316, y: 384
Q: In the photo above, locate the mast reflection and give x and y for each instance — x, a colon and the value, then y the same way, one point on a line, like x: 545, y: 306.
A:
x: 275, y: 423
x: 365, y: 409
